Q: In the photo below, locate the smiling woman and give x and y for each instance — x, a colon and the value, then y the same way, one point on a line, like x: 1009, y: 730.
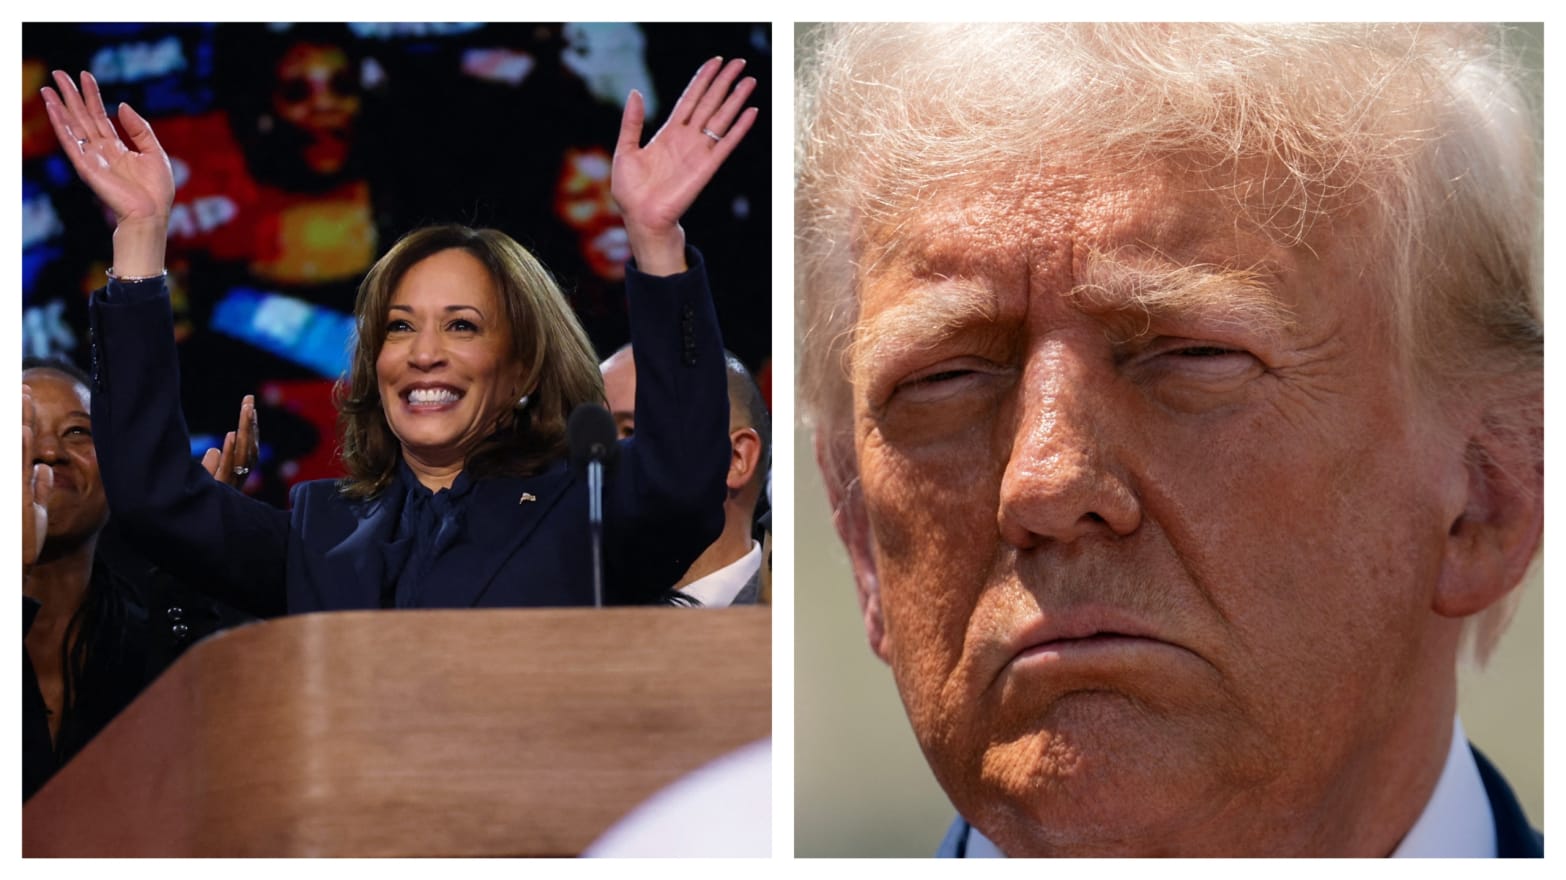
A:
x: 468, y: 362
x: 445, y: 365
x: 455, y: 328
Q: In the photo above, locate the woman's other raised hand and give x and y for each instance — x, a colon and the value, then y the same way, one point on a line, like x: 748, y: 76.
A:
x: 136, y: 182
x: 655, y: 184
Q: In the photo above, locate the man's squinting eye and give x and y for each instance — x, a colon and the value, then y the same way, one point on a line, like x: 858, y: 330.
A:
x: 1204, y: 351
x: 936, y: 378
x: 968, y: 375
x: 1201, y: 368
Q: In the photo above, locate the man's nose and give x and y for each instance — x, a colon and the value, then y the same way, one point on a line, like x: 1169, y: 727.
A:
x: 1062, y: 481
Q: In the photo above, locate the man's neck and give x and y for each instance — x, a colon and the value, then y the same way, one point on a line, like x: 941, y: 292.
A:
x: 733, y: 544
x: 1458, y: 821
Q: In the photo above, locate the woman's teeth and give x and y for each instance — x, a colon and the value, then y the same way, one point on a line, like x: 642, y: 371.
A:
x: 432, y: 395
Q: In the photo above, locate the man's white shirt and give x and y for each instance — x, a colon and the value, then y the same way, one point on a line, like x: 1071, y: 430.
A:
x: 1456, y: 823
x: 717, y: 590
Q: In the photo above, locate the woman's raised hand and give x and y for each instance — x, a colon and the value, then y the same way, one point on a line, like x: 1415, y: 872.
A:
x: 655, y: 184
x: 136, y: 181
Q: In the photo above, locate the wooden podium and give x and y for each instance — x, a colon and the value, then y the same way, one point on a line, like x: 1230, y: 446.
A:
x: 413, y: 733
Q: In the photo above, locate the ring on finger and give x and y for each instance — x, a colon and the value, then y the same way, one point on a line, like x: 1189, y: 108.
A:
x: 712, y: 134
x: 81, y: 143
x: 241, y: 470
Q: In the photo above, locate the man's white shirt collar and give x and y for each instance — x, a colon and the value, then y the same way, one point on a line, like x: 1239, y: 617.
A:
x: 717, y: 590
x: 1457, y: 821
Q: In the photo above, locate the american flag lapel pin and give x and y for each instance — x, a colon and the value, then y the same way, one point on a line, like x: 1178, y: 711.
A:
x: 526, y: 497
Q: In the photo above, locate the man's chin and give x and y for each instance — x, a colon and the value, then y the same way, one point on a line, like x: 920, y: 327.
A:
x: 1099, y: 776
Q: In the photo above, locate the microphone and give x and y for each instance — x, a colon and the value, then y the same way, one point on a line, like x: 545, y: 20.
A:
x: 594, y: 443
x: 592, y: 435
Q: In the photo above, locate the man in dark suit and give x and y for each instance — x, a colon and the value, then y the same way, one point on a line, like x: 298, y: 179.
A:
x: 728, y: 572
x: 1178, y: 392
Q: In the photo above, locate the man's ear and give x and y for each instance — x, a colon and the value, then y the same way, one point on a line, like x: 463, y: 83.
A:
x: 744, y: 460
x: 1497, y: 520
x: 853, y: 527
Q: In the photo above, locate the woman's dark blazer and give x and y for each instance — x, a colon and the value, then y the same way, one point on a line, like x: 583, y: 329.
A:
x: 526, y: 540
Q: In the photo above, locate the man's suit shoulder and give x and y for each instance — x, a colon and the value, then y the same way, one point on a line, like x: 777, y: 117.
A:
x: 1515, y: 838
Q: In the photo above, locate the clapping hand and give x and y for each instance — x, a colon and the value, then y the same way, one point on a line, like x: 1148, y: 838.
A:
x: 655, y: 184
x: 241, y: 450
x: 37, y: 483
x: 136, y: 182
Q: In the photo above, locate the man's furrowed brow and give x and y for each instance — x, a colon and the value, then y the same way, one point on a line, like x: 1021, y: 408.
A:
x: 1241, y: 298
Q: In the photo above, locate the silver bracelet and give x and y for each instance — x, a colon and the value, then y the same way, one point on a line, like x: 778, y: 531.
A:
x: 114, y: 276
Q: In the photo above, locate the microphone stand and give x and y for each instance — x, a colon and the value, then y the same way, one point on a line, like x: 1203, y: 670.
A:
x: 595, y: 523
x: 591, y: 433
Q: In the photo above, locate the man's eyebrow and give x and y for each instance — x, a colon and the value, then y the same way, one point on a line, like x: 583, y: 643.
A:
x: 934, y: 310
x: 927, y: 315
x: 1240, y: 298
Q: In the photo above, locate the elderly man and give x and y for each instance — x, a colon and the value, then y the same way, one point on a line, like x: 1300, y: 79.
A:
x: 1178, y: 390
x: 728, y: 572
